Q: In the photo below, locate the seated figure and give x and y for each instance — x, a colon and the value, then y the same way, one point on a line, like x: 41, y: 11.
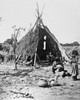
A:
x: 58, y: 69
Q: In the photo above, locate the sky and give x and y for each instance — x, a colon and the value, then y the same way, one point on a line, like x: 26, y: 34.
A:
x: 62, y: 17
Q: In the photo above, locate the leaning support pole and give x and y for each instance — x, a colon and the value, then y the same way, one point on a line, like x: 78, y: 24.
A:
x: 35, y: 61
x: 35, y: 56
x: 15, y: 63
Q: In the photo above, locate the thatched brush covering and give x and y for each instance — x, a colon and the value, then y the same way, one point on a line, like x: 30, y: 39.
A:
x: 34, y: 40
x: 27, y: 45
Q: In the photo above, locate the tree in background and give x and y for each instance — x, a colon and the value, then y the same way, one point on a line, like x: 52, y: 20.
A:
x: 15, y: 41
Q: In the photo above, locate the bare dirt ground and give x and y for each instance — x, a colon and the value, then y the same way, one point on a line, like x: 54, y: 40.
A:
x: 23, y: 84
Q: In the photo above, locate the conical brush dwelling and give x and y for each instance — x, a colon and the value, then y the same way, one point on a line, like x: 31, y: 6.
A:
x: 38, y: 43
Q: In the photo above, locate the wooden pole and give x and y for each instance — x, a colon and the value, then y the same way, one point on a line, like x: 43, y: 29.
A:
x: 35, y: 56
x: 35, y: 59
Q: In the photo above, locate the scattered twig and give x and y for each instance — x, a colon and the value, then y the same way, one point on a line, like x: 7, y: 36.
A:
x: 23, y: 94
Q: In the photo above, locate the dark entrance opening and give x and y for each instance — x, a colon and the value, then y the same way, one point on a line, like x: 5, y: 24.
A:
x: 44, y: 48
x: 46, y: 45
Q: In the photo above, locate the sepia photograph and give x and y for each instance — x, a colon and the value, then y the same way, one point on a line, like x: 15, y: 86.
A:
x: 39, y: 49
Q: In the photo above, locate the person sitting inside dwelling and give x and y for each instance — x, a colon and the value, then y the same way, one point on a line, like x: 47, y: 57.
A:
x: 50, y: 57
x: 58, y: 69
x: 74, y: 64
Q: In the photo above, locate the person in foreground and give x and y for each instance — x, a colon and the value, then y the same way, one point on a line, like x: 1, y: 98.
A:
x: 74, y: 64
x: 58, y: 69
x: 58, y: 66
